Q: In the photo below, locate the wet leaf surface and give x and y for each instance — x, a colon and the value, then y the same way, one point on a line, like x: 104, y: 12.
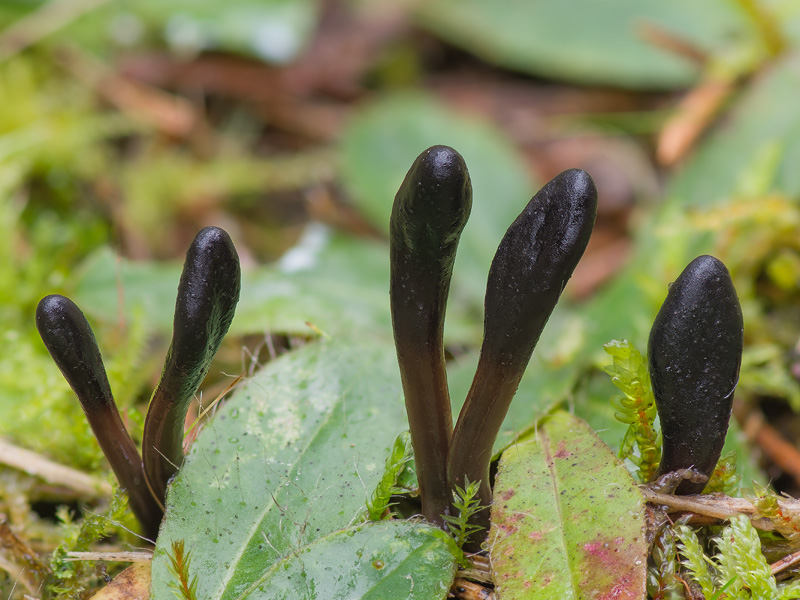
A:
x: 390, y: 560
x: 290, y: 459
x: 567, y: 519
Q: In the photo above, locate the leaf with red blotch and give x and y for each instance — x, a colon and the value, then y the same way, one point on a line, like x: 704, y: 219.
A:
x: 567, y: 518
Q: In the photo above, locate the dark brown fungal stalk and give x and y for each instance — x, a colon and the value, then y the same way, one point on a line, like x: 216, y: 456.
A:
x: 694, y: 353
x: 532, y: 265
x: 430, y: 211
x: 206, y: 302
x: 69, y: 339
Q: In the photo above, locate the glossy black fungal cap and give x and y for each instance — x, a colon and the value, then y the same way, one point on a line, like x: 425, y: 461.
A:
x: 207, y: 296
x: 533, y: 263
x: 694, y: 354
x: 70, y: 340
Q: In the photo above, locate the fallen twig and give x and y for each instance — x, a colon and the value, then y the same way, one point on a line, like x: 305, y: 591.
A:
x: 126, y: 556
x: 718, y: 506
x: 35, y: 464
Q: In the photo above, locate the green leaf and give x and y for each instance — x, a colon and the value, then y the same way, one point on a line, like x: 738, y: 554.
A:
x: 291, y: 458
x: 583, y: 40
x: 379, y: 146
x: 377, y: 561
x: 567, y: 519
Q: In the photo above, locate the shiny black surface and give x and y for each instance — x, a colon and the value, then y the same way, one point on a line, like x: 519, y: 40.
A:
x: 207, y: 296
x: 532, y: 265
x: 68, y: 337
x: 694, y: 354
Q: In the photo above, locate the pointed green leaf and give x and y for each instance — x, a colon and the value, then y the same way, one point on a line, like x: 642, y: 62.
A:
x: 292, y: 457
x: 567, y: 519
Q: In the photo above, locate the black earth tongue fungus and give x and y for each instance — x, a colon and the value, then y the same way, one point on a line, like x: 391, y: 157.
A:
x: 430, y: 211
x: 207, y: 297
x: 530, y: 269
x: 69, y: 339
x: 694, y: 353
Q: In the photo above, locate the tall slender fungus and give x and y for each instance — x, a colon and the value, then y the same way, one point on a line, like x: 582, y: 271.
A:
x: 430, y: 211
x: 69, y: 338
x: 207, y: 296
x: 532, y: 265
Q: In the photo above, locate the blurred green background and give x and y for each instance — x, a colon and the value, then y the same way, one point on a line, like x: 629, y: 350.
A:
x: 127, y: 126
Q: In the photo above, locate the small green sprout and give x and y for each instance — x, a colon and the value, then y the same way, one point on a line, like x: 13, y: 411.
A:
x: 184, y: 588
x: 396, y: 464
x: 636, y: 407
x: 467, y: 503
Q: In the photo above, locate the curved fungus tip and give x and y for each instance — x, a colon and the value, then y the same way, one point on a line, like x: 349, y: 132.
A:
x: 208, y: 292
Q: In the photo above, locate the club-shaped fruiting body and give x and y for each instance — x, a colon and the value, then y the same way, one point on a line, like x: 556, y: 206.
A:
x: 69, y: 339
x: 532, y: 265
x: 694, y: 353
x: 206, y: 302
x: 430, y: 211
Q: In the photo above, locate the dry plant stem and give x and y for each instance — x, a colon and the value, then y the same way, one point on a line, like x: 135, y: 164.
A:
x: 69, y: 339
x: 532, y: 265
x: 207, y: 297
x: 718, y: 506
x: 170, y: 114
x: 694, y: 114
x: 430, y: 211
x: 78, y: 482
x: 671, y: 42
x: 123, y: 556
x: 694, y: 353
x: 785, y: 563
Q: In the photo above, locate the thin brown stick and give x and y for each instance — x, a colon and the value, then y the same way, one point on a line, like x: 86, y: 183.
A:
x: 19, y: 560
x: 672, y: 42
x: 170, y: 114
x: 125, y: 556
x: 718, y: 506
x: 785, y: 563
x: 694, y: 114
x: 83, y: 485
